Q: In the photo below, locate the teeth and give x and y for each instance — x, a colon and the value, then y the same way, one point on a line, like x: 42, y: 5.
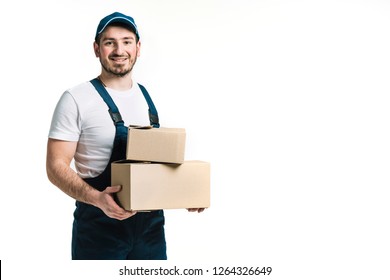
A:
x: 118, y: 59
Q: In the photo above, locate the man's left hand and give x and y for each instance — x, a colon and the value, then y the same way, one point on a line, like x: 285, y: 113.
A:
x: 199, y: 210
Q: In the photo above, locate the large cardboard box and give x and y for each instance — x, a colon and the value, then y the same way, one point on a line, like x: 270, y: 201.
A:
x: 156, y: 144
x: 152, y: 186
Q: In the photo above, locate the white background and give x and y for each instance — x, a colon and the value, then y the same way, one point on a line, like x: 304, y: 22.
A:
x: 288, y: 100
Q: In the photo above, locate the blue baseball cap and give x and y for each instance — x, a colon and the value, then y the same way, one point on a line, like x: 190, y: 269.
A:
x: 117, y: 18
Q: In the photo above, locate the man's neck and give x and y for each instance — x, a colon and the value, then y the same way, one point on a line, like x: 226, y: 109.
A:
x: 115, y: 82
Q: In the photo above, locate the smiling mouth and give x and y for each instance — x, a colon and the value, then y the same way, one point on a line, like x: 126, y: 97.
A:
x: 118, y: 59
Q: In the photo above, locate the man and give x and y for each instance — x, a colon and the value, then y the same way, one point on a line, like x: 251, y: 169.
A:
x: 84, y: 130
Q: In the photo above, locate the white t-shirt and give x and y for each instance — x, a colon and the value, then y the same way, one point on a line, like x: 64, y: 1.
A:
x: 81, y: 115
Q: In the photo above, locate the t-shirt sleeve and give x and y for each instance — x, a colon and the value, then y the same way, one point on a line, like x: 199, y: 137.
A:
x: 65, y: 124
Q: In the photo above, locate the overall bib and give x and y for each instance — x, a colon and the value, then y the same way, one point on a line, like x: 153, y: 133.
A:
x: 95, y: 236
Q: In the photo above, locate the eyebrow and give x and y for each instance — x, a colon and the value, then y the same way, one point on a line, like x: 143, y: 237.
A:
x: 115, y: 39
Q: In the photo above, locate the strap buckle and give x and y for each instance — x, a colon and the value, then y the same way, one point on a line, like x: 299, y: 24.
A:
x: 116, y: 117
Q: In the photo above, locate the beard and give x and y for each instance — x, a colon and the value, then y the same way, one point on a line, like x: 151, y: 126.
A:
x: 118, y: 70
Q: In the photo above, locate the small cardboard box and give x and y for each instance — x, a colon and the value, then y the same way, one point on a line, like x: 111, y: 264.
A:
x: 153, y: 186
x: 156, y: 144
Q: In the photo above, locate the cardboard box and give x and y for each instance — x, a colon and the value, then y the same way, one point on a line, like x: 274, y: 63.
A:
x: 153, y: 186
x: 156, y: 144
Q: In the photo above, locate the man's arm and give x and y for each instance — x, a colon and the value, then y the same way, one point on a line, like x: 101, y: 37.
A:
x: 59, y: 156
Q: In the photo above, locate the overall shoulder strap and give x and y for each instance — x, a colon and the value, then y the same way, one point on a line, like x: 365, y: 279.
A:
x: 153, y: 115
x: 112, y: 109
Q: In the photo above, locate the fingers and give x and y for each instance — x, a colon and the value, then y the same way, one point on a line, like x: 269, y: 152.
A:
x: 113, y: 189
x: 116, y: 212
x: 110, y: 207
x: 199, y: 210
x: 122, y: 215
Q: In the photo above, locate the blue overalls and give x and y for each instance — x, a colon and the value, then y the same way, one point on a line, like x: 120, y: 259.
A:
x: 95, y: 236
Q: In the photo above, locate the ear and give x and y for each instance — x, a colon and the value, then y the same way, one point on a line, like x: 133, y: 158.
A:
x: 96, y: 49
x: 138, y: 48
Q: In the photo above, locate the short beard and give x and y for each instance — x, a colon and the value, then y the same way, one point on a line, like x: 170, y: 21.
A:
x: 116, y: 74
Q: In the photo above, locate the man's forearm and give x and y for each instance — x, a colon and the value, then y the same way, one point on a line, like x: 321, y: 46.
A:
x: 66, y: 179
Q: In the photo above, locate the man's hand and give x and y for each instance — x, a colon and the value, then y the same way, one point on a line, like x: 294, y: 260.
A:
x: 59, y: 156
x: 108, y: 205
x: 199, y: 210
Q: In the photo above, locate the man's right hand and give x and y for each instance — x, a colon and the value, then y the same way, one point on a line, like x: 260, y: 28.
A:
x: 59, y: 156
x: 108, y: 205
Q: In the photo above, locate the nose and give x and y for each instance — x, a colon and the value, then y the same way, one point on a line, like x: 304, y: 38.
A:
x: 119, y: 49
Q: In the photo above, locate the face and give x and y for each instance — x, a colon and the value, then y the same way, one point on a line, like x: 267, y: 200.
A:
x: 117, y: 50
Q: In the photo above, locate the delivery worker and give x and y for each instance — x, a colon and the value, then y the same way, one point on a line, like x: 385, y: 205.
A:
x: 89, y: 126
